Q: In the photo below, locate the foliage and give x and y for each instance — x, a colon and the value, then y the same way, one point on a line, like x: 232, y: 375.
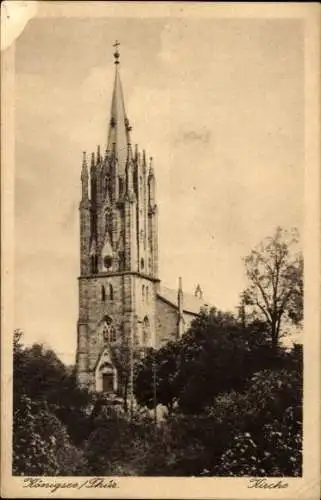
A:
x: 39, y: 374
x: 216, y: 355
x: 235, y: 410
x: 159, y: 367
x: 124, y: 447
x: 122, y: 357
x: 41, y: 445
x: 264, y: 421
x: 267, y: 439
x: 275, y: 274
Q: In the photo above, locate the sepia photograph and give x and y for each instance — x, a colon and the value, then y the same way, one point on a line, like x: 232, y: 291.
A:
x: 159, y: 250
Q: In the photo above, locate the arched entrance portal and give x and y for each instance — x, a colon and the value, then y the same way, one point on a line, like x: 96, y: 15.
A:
x: 106, y: 375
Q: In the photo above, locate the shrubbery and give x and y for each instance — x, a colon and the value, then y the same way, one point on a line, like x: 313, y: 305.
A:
x: 250, y: 427
x: 41, y: 445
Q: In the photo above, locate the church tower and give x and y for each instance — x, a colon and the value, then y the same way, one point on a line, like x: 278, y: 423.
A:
x: 118, y: 282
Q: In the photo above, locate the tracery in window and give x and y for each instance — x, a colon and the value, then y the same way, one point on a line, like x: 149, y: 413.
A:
x: 109, y: 332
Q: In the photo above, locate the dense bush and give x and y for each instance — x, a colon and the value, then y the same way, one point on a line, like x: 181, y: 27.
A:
x: 41, y: 445
x: 39, y: 374
x: 48, y: 414
x: 267, y: 439
x: 122, y: 446
x: 252, y: 427
x: 217, y: 354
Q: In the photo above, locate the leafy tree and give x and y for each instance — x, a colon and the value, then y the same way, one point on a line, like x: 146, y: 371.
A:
x: 39, y: 374
x: 41, y: 445
x: 159, y: 367
x: 275, y: 273
x: 216, y: 355
x: 122, y: 446
x: 267, y: 438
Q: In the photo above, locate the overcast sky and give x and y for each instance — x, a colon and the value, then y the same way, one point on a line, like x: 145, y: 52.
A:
x: 217, y: 103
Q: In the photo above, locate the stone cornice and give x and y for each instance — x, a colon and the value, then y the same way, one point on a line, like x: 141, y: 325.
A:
x: 119, y: 273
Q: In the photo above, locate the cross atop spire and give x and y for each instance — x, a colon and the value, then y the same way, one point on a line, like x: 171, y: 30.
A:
x: 119, y: 126
x: 116, y: 53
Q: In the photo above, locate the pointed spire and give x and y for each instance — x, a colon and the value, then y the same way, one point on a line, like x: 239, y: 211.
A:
x: 151, y: 169
x: 129, y: 154
x: 92, y: 162
x: 98, y: 154
x: 84, y: 176
x: 119, y: 128
x: 84, y: 169
x: 129, y: 174
x: 151, y: 186
x: 144, y: 162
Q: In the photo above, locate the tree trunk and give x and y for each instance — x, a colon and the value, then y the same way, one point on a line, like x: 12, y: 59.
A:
x: 275, y: 339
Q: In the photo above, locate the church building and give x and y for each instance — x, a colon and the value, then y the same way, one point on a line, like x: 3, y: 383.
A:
x: 121, y: 300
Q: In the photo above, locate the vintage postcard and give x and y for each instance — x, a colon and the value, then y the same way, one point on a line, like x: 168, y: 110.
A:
x: 160, y: 250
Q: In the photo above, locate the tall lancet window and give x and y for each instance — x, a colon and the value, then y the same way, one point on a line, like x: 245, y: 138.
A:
x: 146, y: 331
x: 94, y: 264
x: 109, y: 331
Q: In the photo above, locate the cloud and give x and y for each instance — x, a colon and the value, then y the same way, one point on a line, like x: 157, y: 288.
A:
x: 15, y: 16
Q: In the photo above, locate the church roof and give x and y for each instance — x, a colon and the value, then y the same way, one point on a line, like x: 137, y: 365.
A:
x: 118, y: 134
x: 191, y: 304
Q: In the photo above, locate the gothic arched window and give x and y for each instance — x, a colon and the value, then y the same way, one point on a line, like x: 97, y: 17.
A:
x: 109, y: 332
x: 147, y: 294
x: 122, y: 261
x: 146, y: 331
x: 94, y: 264
x: 103, y: 293
x: 121, y: 186
x: 111, y: 292
x: 143, y: 292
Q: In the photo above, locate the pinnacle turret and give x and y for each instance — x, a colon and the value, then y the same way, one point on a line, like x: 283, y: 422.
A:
x: 84, y: 177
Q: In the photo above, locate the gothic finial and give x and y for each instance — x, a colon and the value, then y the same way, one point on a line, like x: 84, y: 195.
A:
x: 136, y: 151
x: 98, y: 153
x: 116, y: 53
x: 129, y: 153
x: 92, y: 164
x: 84, y: 177
x: 180, y: 286
x: 151, y: 169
